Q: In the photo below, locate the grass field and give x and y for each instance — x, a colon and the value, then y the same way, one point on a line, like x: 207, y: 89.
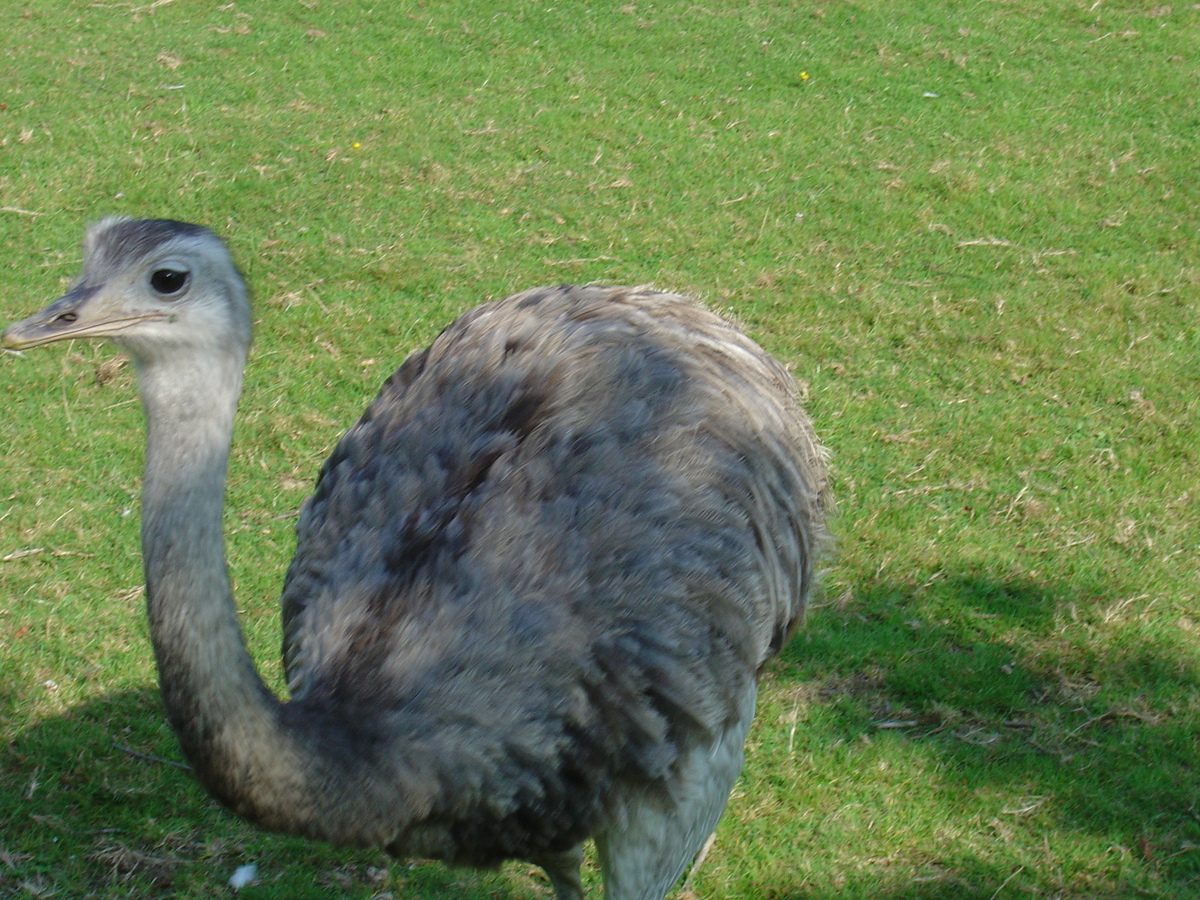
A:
x: 969, y: 228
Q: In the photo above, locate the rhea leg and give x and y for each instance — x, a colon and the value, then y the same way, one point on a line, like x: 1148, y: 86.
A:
x: 563, y: 871
x: 655, y: 834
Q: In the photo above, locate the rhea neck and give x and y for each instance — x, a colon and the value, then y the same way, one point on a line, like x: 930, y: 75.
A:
x: 220, y: 709
x: 275, y: 764
x: 189, y: 398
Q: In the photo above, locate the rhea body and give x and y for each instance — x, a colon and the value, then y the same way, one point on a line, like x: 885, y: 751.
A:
x: 532, y: 589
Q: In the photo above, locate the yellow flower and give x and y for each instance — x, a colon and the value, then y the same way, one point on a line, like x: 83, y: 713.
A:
x: 356, y: 144
x: 804, y: 76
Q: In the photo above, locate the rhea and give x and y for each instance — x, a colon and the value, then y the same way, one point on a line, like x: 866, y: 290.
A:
x: 532, y: 590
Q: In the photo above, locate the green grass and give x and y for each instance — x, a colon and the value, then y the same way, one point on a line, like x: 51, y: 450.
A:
x: 971, y: 232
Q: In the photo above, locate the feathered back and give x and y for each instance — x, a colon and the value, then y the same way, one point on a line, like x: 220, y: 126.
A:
x: 582, y: 512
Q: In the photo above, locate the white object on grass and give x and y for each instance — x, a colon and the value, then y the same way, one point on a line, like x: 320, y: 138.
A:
x: 242, y: 876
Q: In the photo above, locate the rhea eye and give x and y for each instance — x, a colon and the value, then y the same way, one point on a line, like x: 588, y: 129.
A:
x: 168, y: 281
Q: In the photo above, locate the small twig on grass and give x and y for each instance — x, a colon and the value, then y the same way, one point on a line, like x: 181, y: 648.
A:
x: 989, y: 241
x: 795, y: 719
x: 34, y: 551
x: 1035, y: 256
x: 21, y: 554
x: 579, y: 261
x: 1067, y: 545
x: 1012, y: 506
x: 149, y: 758
x: 687, y: 882
x: 1089, y: 723
x: 1004, y: 884
x: 1029, y: 805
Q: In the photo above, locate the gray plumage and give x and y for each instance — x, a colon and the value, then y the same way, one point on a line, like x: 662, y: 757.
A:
x: 531, y: 592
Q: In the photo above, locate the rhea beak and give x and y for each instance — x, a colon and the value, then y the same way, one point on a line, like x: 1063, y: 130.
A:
x: 81, y: 313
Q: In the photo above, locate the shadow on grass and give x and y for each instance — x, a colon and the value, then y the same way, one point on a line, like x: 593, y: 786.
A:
x: 83, y: 816
x: 1008, y: 685
x: 1036, y: 697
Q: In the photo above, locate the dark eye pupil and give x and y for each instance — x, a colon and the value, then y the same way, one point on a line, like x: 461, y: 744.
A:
x: 168, y: 281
